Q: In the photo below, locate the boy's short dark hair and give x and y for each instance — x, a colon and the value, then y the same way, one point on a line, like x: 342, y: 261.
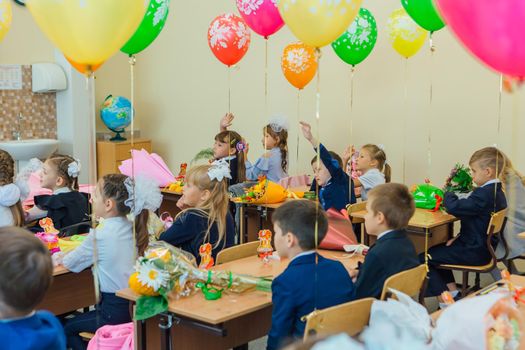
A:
x: 395, y: 202
x: 298, y: 217
x: 334, y: 156
x: 26, y: 269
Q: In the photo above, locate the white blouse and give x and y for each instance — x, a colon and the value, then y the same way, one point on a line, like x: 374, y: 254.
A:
x: 9, y: 196
x: 115, y: 250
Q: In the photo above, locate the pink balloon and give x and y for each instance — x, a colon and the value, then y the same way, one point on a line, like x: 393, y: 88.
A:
x: 493, y: 30
x: 262, y: 16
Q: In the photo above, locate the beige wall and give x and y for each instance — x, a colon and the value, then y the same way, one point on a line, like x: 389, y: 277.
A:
x: 181, y: 92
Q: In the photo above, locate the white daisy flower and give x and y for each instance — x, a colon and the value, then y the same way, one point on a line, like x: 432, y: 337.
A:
x: 152, y: 276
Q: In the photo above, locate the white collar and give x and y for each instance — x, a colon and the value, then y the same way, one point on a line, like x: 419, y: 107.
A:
x: 490, y: 182
x: 383, y: 234
x: 228, y: 157
x: 308, y: 252
x: 62, y: 190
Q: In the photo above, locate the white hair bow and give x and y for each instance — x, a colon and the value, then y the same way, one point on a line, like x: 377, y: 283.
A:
x: 73, y: 169
x: 219, y: 170
x: 143, y: 193
x: 279, y: 123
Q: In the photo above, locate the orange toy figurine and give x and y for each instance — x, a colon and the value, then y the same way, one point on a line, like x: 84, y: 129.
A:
x: 265, y: 248
x: 207, y: 260
x: 182, y: 172
x: 48, y: 226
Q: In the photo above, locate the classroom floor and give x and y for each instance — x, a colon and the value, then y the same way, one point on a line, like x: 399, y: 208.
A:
x: 431, y: 303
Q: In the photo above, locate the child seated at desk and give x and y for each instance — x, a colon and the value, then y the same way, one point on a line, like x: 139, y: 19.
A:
x: 112, y: 244
x: 371, y: 162
x: 469, y: 247
x: 337, y: 189
x: 66, y: 206
x: 305, y: 285
x: 26, y: 272
x: 389, y: 208
x: 205, y: 219
x: 230, y: 146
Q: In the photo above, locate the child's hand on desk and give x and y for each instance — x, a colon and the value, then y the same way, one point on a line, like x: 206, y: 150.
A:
x: 226, y: 121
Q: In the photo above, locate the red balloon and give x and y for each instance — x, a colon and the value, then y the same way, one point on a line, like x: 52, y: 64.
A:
x: 229, y: 38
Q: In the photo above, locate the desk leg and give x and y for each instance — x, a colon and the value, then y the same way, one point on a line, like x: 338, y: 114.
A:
x: 242, y: 224
x: 165, y: 323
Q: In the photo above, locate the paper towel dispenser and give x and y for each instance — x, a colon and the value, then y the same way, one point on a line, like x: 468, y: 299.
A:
x: 48, y: 77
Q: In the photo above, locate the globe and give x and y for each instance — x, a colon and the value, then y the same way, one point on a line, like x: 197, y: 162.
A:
x: 116, y: 115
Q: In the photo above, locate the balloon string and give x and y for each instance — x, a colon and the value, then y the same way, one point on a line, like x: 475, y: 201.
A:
x: 298, y: 120
x: 429, y: 145
x: 317, y: 117
x: 229, y: 89
x: 515, y: 149
x: 132, y: 62
x: 405, y: 104
x: 266, y: 77
x: 351, y: 124
x: 90, y: 88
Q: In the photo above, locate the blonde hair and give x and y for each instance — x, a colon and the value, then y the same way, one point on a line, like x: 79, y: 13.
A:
x: 379, y: 155
x: 490, y: 157
x: 282, y: 137
x: 7, y: 174
x: 215, y: 208
x: 509, y: 170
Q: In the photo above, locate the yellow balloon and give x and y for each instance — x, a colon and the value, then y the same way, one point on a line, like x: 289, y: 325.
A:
x: 406, y: 36
x: 318, y: 22
x: 6, y: 15
x: 88, y: 31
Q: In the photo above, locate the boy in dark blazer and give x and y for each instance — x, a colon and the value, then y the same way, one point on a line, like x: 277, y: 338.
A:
x: 389, y: 208
x: 310, y: 281
x: 469, y: 247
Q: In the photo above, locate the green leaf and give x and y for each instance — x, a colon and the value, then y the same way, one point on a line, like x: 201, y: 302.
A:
x: 148, y: 306
x: 206, y: 154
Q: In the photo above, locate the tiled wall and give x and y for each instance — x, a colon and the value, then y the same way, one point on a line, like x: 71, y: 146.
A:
x: 38, y: 111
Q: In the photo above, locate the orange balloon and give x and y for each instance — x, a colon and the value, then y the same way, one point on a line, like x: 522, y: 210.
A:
x: 299, y: 64
x: 84, y: 68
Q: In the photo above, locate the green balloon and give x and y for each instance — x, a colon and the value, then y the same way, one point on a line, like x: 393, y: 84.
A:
x: 149, y: 28
x: 424, y: 13
x: 358, y: 40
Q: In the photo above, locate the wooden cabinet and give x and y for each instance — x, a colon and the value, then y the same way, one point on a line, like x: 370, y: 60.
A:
x: 111, y: 154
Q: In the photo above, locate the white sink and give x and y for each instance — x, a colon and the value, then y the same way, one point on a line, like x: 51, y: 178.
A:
x: 32, y: 148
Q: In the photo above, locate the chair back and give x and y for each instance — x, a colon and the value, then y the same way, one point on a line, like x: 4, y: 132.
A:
x: 237, y: 252
x: 349, y: 317
x: 352, y: 208
x: 411, y: 282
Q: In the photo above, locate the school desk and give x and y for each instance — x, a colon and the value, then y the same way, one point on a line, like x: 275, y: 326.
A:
x: 437, y: 226
x: 69, y: 291
x: 194, y: 323
x: 255, y: 217
x: 169, y: 202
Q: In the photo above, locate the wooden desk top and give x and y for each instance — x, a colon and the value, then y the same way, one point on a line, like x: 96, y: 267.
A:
x: 177, y: 193
x: 60, y: 270
x: 521, y: 235
x: 422, y: 218
x: 233, y: 305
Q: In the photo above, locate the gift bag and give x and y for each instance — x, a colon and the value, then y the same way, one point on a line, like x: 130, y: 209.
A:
x: 117, y: 337
x: 340, y: 230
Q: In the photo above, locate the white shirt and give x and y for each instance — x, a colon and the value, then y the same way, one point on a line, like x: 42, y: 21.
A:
x: 9, y: 196
x: 302, y: 254
x: 383, y: 234
x: 369, y: 180
x: 115, y: 249
x: 493, y: 181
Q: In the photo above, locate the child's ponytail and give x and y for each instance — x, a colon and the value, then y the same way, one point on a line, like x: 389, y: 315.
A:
x: 282, y: 136
x: 7, y: 174
x: 388, y: 173
x: 141, y: 231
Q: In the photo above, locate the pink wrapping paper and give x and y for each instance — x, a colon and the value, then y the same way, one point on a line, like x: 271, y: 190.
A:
x: 340, y: 230
x: 117, y: 337
x: 149, y: 165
